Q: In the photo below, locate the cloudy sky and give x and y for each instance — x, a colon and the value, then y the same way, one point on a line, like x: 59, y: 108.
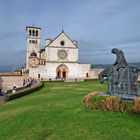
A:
x: 97, y: 25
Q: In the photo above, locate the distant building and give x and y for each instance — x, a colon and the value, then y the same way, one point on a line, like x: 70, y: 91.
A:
x: 58, y: 60
x: 10, y: 79
x: 18, y: 78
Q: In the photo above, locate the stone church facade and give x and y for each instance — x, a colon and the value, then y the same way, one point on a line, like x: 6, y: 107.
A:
x: 58, y: 60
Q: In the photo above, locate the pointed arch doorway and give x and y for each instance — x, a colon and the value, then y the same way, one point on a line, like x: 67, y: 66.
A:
x: 62, y: 71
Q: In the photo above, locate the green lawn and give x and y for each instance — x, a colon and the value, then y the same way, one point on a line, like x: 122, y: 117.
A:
x: 56, y: 112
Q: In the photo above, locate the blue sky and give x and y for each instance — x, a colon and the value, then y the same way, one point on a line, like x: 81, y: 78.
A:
x: 97, y: 25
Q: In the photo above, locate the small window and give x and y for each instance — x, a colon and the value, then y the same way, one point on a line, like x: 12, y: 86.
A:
x: 33, y: 32
x: 34, y: 41
x: 29, y: 32
x: 62, y: 43
x: 87, y: 75
x: 38, y: 76
x: 36, y: 32
x: 30, y: 41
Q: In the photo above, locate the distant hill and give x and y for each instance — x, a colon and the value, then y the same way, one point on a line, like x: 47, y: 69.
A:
x: 137, y: 64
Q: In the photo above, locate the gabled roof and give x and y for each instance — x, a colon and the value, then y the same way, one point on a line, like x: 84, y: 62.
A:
x: 62, y: 37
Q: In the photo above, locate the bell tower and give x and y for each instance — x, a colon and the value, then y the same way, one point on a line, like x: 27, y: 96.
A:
x: 32, y: 42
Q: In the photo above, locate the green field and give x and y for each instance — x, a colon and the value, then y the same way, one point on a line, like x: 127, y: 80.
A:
x: 56, y: 112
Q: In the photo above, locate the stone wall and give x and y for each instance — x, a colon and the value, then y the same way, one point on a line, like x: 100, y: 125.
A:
x: 9, y: 80
x: 84, y: 70
x: 93, y: 73
x: 52, y: 54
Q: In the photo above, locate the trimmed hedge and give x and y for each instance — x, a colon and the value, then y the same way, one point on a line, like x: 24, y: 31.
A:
x: 23, y: 92
x: 54, y: 81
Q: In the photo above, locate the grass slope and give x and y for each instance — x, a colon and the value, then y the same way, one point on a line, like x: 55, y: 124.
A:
x: 56, y: 112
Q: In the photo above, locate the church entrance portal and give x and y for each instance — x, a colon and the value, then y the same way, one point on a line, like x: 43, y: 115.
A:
x: 62, y: 72
x: 58, y: 74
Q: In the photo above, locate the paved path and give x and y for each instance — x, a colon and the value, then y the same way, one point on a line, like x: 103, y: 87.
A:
x: 2, y: 99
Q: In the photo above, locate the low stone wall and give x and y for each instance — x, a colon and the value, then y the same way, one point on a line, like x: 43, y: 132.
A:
x: 93, y: 73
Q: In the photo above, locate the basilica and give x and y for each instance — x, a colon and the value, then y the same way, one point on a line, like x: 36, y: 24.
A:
x: 57, y: 60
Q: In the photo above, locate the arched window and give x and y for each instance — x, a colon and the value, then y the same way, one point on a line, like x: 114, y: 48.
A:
x: 87, y: 75
x: 33, y: 41
x: 33, y: 32
x: 29, y: 32
x: 36, y: 32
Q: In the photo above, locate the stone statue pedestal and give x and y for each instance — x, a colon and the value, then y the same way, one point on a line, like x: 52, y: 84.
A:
x: 128, y: 97
x: 122, y: 96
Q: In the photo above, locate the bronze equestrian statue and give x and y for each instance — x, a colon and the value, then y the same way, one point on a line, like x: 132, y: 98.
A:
x: 122, y: 78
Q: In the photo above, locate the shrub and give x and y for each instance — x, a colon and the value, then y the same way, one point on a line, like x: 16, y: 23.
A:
x: 88, y: 100
x: 136, y: 107
x: 110, y: 103
x: 126, y: 106
x: 96, y: 101
x: 101, y: 102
